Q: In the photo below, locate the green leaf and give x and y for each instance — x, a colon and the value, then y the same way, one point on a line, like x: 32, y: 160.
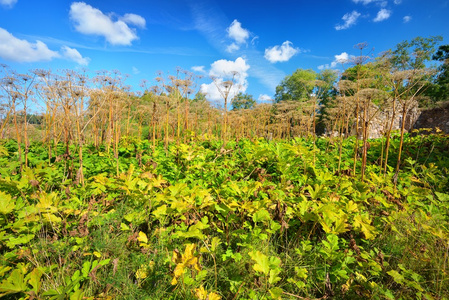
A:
x: 332, y: 242
x: 24, y: 239
x: 215, y: 243
x: 35, y: 279
x: 160, y: 211
x: 104, y: 262
x: 14, y: 284
x: 301, y: 272
x: 86, y: 269
x: 7, y: 205
x: 398, y: 278
x: 442, y: 197
x: 201, y: 275
x: 124, y: 227
x: 274, y: 276
x: 262, y: 263
x: 276, y: 293
x: 363, y: 223
x: 261, y: 215
x: 77, y: 295
x: 340, y: 225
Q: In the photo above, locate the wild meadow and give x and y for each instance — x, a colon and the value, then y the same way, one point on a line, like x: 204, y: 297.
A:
x: 110, y: 194
x: 254, y: 219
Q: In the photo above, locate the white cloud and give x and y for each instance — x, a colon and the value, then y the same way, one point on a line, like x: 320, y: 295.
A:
x: 237, y: 33
x: 407, y: 19
x: 382, y: 3
x: 199, y: 69
x: 89, y: 20
x: 73, y: 54
x: 23, y: 51
x: 134, y: 20
x: 233, y: 47
x: 280, y: 53
x: 8, y: 3
x: 135, y: 70
x: 223, y: 70
x: 364, y: 2
x: 14, y: 49
x: 340, y: 59
x: 382, y: 15
x: 264, y: 98
x: 254, y: 40
x: 350, y: 19
x: 397, y: 2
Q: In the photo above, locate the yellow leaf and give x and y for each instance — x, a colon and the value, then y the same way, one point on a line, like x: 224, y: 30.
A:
x: 176, y: 258
x: 142, y: 237
x: 214, y: 296
x: 174, y: 281
x: 201, y: 293
x: 179, y: 270
x: 188, y: 253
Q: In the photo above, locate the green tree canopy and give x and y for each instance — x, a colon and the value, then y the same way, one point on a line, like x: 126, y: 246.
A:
x: 298, y: 86
x: 199, y: 97
x: 440, y: 89
x: 243, y: 101
x: 414, y: 54
x: 326, y: 80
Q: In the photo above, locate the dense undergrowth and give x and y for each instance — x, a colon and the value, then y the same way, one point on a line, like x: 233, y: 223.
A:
x: 250, y: 220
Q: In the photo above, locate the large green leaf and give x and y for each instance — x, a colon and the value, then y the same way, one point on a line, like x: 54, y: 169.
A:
x: 7, y: 205
x: 15, y: 283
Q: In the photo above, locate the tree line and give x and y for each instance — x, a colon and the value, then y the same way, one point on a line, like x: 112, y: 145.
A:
x: 75, y: 108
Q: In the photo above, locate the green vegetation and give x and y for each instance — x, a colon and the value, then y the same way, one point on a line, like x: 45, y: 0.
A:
x: 253, y: 220
x: 109, y: 194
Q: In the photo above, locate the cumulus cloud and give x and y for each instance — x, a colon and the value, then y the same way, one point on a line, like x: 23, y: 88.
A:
x: 74, y: 55
x: 350, y: 19
x: 8, y: 3
x: 199, y: 69
x: 264, y: 98
x: 134, y: 20
x: 223, y: 70
x: 280, y: 53
x: 23, y: 51
x: 407, y: 19
x: 382, y: 3
x: 233, y: 47
x: 14, y: 49
x: 92, y: 21
x: 382, y: 15
x: 397, y: 2
x: 339, y: 59
x: 237, y: 33
x: 365, y: 2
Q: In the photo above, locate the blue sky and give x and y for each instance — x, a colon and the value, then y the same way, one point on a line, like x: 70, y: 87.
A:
x: 263, y: 41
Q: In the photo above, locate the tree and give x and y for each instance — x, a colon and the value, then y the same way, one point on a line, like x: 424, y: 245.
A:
x: 410, y: 77
x: 325, y: 91
x: 298, y: 86
x: 199, y: 97
x: 242, y: 101
x: 439, y: 90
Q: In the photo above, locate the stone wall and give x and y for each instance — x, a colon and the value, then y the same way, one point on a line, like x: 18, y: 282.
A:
x: 380, y: 123
x: 434, y: 118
